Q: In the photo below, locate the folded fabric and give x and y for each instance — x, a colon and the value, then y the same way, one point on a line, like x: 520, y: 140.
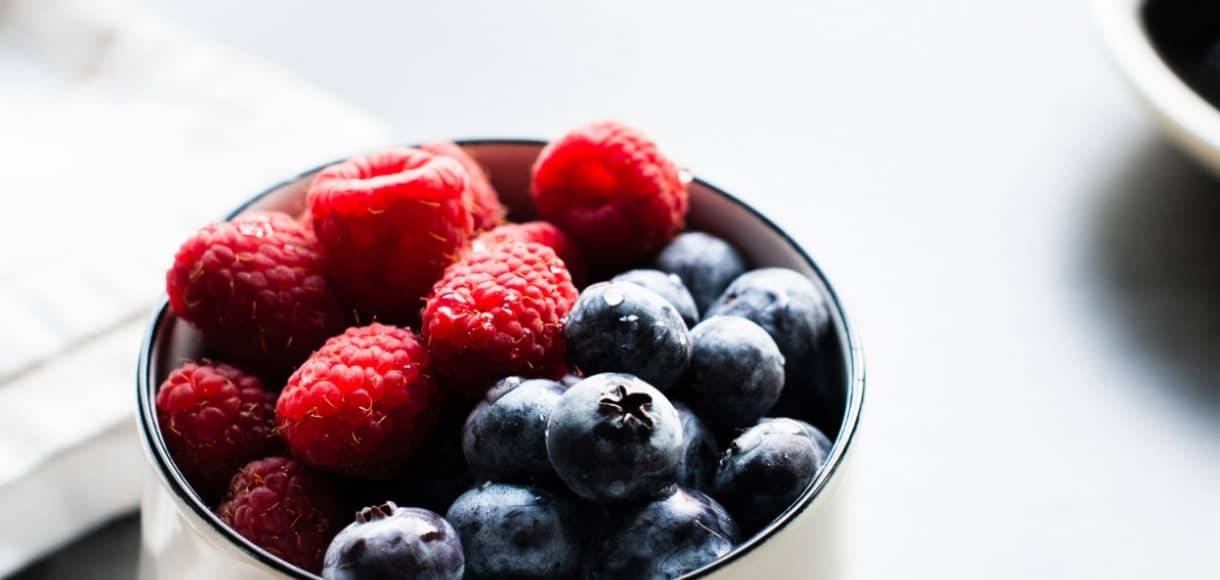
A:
x: 121, y: 134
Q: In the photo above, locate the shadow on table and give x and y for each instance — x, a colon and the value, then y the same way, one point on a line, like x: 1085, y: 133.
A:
x: 1156, y: 245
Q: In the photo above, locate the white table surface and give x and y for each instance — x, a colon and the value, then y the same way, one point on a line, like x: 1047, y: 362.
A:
x: 1033, y: 270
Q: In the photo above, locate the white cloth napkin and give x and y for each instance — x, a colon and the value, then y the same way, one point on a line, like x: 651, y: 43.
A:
x: 119, y: 135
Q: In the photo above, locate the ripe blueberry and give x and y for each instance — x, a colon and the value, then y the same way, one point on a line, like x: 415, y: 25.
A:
x: 622, y: 327
x: 795, y: 314
x: 666, y: 538
x: 504, y: 438
x: 613, y: 437
x: 767, y: 468
x: 518, y: 532
x: 706, y: 264
x: 387, y: 541
x: 736, y: 372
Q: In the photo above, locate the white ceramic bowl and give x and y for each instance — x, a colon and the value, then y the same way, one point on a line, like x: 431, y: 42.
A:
x: 183, y: 540
x: 1190, y: 120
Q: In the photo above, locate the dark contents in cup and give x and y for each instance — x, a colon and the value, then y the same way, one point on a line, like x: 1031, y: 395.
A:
x: 1186, y: 33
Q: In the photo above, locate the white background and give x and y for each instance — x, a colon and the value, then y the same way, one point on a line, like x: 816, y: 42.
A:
x: 1034, y: 272
x: 1036, y: 275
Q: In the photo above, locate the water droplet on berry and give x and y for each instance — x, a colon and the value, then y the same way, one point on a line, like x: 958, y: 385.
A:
x: 613, y: 298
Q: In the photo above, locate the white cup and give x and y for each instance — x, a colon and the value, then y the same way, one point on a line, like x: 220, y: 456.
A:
x: 182, y: 539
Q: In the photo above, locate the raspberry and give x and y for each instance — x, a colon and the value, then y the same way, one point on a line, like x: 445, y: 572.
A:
x: 608, y: 187
x: 254, y: 287
x: 540, y: 232
x: 361, y: 404
x: 286, y: 509
x: 486, y: 209
x: 215, y: 418
x: 499, y: 312
x: 389, y: 223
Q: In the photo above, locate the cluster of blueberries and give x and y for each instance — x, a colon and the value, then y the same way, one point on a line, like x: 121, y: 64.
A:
x: 618, y: 474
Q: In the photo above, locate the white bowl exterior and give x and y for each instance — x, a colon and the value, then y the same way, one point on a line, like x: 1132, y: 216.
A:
x: 1192, y: 122
x: 176, y: 543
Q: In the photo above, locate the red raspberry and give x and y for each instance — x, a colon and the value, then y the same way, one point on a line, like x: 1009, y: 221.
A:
x: 496, y: 313
x: 608, y: 187
x: 389, y: 223
x: 215, y: 418
x: 361, y: 404
x: 286, y: 509
x: 486, y: 208
x: 254, y: 287
x: 539, y: 232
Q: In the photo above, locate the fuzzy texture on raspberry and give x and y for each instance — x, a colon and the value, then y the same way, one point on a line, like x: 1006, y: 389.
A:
x: 254, y: 287
x: 285, y: 508
x: 215, y: 418
x: 496, y: 313
x: 362, y: 404
x: 485, y: 209
x: 539, y: 232
x: 389, y: 223
x: 608, y: 187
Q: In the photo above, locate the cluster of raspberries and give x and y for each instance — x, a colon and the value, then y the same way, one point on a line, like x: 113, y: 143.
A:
x: 400, y: 292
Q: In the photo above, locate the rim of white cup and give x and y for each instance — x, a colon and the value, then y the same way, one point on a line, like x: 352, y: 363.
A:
x: 147, y: 381
x: 1186, y: 116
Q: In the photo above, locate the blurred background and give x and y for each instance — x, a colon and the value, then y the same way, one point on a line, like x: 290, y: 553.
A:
x: 1032, y: 267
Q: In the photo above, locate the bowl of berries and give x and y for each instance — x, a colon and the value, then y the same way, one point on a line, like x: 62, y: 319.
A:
x: 496, y: 359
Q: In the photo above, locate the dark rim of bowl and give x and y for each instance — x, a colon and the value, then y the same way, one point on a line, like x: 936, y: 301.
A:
x: 851, y: 414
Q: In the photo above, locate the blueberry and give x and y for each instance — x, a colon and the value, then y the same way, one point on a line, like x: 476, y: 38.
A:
x: 614, y: 437
x: 767, y: 468
x: 387, y: 541
x: 665, y: 539
x: 699, y: 451
x: 736, y: 372
x: 706, y: 264
x: 622, y: 327
x: 668, y: 286
x: 504, y: 438
x: 519, y: 532
x: 795, y: 314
